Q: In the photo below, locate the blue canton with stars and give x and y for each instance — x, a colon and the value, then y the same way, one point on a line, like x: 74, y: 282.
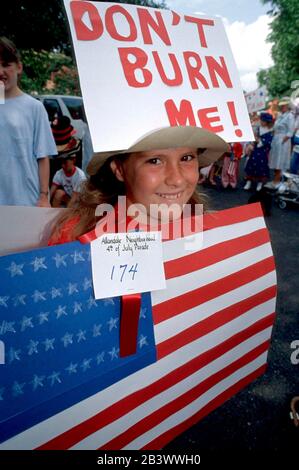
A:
x: 61, y: 345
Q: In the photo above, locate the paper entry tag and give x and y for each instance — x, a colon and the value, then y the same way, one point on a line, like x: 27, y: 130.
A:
x: 127, y: 263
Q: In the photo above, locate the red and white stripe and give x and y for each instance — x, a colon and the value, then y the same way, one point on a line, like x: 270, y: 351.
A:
x: 212, y: 328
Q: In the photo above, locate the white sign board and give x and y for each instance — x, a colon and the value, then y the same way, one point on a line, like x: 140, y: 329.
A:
x: 25, y: 228
x: 256, y: 100
x: 126, y: 263
x: 144, y: 68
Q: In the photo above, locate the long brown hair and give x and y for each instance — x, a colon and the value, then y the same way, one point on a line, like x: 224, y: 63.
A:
x: 101, y: 188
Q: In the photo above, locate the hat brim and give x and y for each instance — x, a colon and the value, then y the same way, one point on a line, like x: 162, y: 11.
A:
x: 67, y: 148
x: 170, y: 137
x: 284, y: 100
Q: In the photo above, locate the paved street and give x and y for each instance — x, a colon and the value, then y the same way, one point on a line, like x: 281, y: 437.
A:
x: 257, y: 418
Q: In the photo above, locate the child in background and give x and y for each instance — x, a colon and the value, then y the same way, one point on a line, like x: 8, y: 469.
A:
x: 161, y: 168
x: 26, y: 139
x: 230, y: 170
x: 67, y: 183
x: 257, y: 168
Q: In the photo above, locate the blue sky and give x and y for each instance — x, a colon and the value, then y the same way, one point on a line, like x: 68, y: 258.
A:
x: 247, y: 26
x: 235, y: 10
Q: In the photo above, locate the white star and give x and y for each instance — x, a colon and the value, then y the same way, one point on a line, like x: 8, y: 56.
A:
x: 26, y: 323
x: 142, y: 341
x: 7, y: 327
x: 77, y: 257
x: 81, y: 336
x: 49, y: 343
x: 87, y: 284
x: 38, y: 263
x: 108, y: 302
x: 56, y: 293
x: 60, y: 260
x: 54, y: 377
x: 77, y: 307
x: 91, y: 302
x: 72, y: 368
x: 14, y: 355
x: 43, y: 317
x: 112, y: 323
x: 67, y: 339
x: 19, y: 300
x: 142, y: 313
x: 100, y: 357
x: 3, y: 301
x: 32, y: 347
x: 114, y: 353
x: 15, y: 269
x: 72, y: 288
x: 60, y: 311
x: 96, y: 330
x: 17, y: 389
x: 37, y: 381
x: 1, y: 393
x: 86, y: 364
x: 37, y: 296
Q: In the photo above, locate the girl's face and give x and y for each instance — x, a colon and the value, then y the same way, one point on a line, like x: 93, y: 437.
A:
x: 166, y: 176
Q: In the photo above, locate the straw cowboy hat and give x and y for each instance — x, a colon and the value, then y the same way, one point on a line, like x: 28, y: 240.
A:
x: 284, y: 100
x: 211, y: 144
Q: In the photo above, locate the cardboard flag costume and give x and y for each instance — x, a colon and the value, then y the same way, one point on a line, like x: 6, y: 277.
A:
x: 212, y: 328
x: 63, y: 384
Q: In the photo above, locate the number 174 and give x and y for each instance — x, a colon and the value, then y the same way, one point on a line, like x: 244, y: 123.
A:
x: 123, y: 271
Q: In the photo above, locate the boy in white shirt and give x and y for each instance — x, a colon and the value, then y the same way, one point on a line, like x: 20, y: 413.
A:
x: 67, y: 183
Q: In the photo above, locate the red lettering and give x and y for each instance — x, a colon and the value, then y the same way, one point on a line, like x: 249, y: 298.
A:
x: 146, y: 20
x: 194, y: 70
x: 206, y: 121
x: 83, y: 33
x: 111, y: 28
x: 200, y: 25
x: 130, y: 68
x: 178, y: 78
x: 181, y: 116
x: 221, y: 69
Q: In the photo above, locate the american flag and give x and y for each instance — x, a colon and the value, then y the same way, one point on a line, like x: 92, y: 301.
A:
x: 212, y: 327
x: 61, y: 345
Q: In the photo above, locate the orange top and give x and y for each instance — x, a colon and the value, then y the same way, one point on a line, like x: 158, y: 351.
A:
x: 65, y: 234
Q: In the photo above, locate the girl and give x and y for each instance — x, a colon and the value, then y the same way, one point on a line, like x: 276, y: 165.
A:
x: 257, y: 169
x: 160, y: 168
x: 230, y: 170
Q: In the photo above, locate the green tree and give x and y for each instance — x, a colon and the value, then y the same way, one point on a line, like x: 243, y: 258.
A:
x: 42, y: 25
x: 40, y: 31
x: 285, y: 50
x: 49, y: 72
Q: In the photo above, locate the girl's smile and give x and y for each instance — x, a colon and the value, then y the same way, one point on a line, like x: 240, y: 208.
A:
x: 167, y: 176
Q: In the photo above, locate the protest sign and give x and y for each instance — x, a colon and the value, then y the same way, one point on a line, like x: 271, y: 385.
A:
x: 256, y: 100
x: 144, y: 68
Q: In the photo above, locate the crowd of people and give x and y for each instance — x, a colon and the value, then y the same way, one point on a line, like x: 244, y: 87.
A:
x: 28, y: 140
x: 276, y: 148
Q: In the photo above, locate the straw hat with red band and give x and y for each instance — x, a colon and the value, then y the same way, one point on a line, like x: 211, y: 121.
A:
x: 63, y: 133
x: 211, y: 144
